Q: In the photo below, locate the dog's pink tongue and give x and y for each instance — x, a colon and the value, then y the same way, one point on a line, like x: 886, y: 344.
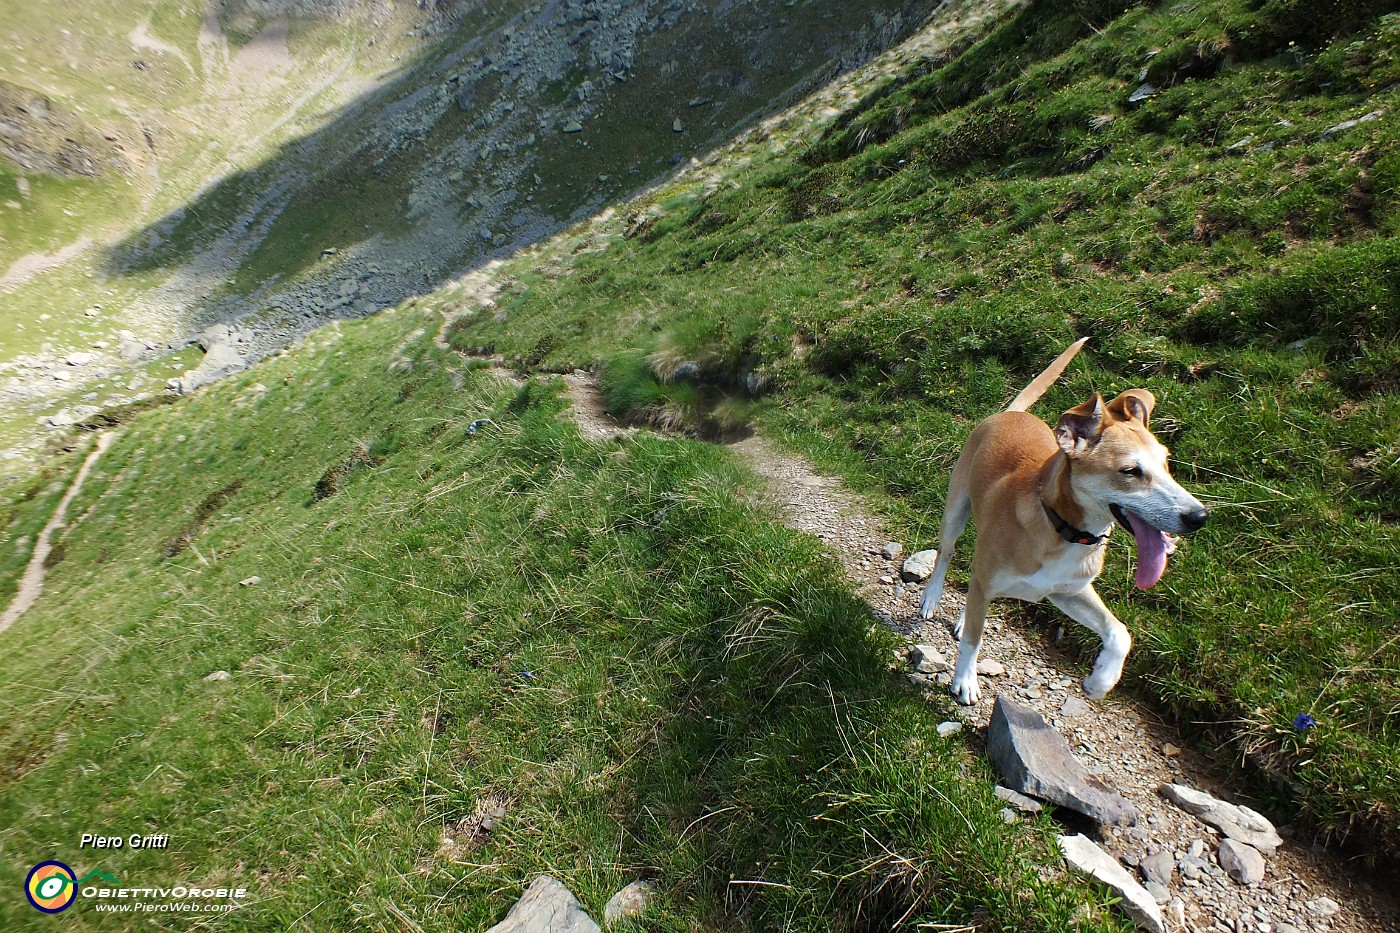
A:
x: 1152, y: 551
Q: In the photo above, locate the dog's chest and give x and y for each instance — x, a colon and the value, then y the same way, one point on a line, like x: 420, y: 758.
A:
x: 1068, y: 570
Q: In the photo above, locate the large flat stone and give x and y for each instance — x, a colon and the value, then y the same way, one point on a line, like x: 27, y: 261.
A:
x: 1033, y: 758
x: 547, y: 907
x: 1235, y: 821
x: 1082, y: 853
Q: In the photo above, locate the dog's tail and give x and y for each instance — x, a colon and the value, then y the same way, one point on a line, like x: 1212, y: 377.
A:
x: 1045, y: 380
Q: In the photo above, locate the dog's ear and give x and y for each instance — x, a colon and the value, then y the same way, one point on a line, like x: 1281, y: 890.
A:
x: 1133, y: 405
x: 1079, y: 427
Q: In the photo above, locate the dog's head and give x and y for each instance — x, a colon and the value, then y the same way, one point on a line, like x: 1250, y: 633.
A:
x: 1116, y: 461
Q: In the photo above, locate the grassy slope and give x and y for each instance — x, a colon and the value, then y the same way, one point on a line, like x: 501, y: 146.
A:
x: 657, y: 679
x: 902, y: 276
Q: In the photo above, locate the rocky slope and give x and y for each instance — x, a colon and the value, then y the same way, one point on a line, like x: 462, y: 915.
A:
x: 329, y: 190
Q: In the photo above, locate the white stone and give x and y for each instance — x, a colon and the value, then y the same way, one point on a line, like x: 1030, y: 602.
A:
x: 629, y: 903
x: 1238, y: 822
x: 919, y: 565
x: 547, y: 907
x: 1082, y: 853
x: 928, y: 659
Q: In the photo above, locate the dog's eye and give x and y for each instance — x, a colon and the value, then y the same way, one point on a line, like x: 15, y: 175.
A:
x: 1132, y: 471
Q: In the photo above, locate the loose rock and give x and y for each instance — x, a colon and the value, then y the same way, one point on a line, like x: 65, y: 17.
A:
x: 1074, y: 706
x: 1081, y: 852
x: 1158, y: 867
x: 927, y: 659
x: 627, y: 904
x: 1233, y: 820
x: 919, y: 565
x: 1019, y: 801
x: 891, y: 550
x: 1033, y: 758
x: 547, y: 907
x: 990, y: 668
x: 1241, y: 862
x: 217, y: 676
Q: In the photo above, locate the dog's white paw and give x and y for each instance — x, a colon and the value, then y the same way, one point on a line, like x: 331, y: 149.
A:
x: 965, y: 690
x: 1097, y: 687
x: 958, y: 625
x: 928, y: 606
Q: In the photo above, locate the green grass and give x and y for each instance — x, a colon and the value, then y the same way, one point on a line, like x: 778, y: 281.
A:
x: 656, y: 679
x: 902, y: 276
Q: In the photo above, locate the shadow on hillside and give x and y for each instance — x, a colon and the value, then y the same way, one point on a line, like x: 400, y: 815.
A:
x: 485, y: 144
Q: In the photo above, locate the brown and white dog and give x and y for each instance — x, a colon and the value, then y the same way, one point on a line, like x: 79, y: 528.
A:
x: 1045, y: 503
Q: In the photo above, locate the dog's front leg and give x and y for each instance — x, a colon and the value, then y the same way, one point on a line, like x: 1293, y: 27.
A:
x: 969, y: 642
x: 1086, y: 608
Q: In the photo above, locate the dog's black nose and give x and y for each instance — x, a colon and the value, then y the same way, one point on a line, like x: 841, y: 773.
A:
x: 1194, y: 519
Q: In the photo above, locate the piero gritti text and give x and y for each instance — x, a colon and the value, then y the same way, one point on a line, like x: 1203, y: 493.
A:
x: 134, y: 841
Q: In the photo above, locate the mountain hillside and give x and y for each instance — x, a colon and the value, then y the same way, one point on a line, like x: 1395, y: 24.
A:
x: 277, y: 165
x: 368, y: 616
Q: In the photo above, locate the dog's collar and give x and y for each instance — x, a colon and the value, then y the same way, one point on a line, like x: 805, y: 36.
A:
x: 1067, y: 531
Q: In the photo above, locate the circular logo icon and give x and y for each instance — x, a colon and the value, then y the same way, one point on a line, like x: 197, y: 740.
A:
x: 51, y: 887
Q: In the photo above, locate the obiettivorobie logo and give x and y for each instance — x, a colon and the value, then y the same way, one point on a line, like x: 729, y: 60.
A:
x: 52, y: 887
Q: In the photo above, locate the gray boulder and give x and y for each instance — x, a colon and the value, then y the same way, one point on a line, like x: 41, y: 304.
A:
x: 1241, y: 862
x: 1235, y: 821
x: 221, y: 359
x: 1033, y: 758
x: 547, y: 907
x: 1081, y: 852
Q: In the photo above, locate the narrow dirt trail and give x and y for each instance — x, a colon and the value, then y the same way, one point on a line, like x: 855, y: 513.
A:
x: 1125, y: 744
x: 32, y: 583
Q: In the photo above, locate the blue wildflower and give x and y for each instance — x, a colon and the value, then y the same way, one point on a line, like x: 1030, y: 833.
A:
x: 1303, y: 721
x: 527, y: 674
